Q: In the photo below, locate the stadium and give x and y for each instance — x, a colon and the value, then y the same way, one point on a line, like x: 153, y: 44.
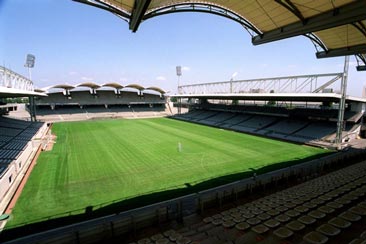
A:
x: 264, y: 160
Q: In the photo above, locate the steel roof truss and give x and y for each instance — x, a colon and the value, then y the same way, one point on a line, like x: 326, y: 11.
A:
x: 361, y: 62
x: 350, y: 13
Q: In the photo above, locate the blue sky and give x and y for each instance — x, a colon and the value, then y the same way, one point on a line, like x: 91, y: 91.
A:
x: 74, y: 43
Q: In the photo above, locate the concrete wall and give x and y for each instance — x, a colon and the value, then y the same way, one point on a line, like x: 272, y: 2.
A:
x: 17, y: 169
x: 5, y: 184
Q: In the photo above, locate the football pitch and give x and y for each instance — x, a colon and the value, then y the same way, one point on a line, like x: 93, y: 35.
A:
x: 97, y: 162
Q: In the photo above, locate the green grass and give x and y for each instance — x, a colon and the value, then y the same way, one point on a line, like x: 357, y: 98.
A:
x: 98, y: 162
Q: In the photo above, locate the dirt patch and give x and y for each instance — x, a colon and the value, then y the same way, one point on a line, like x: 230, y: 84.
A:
x: 51, y: 140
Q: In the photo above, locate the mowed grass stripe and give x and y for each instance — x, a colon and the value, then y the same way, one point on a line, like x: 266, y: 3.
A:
x: 96, y: 162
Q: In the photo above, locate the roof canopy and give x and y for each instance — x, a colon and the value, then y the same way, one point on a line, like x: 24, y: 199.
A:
x: 135, y: 86
x: 63, y: 86
x: 91, y: 85
x: 96, y: 86
x: 6, y: 92
x: 157, y: 89
x: 337, y: 28
x: 113, y: 84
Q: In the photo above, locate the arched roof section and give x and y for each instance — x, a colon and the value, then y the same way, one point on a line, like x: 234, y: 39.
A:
x: 113, y: 84
x: 135, y: 86
x: 348, y: 39
x: 91, y: 85
x: 39, y: 90
x: 63, y: 86
x: 157, y: 89
x: 338, y: 25
x: 199, y: 6
x: 122, y: 8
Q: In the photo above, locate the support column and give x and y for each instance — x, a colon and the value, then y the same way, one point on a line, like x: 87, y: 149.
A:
x: 179, y: 105
x: 32, y: 108
x: 342, y: 103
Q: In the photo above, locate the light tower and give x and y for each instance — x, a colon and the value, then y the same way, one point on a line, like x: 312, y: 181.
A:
x: 179, y: 74
x: 29, y: 63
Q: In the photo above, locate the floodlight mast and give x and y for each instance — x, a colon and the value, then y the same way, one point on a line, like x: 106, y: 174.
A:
x: 179, y: 74
x: 29, y: 63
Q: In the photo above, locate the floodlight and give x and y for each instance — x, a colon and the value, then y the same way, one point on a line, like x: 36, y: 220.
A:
x: 30, y: 61
x: 179, y: 70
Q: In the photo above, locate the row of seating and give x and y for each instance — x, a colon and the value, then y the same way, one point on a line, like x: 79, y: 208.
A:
x: 74, y: 113
x: 12, y: 123
x: 14, y: 137
x: 299, y: 112
x: 271, y: 126
x: 328, y: 209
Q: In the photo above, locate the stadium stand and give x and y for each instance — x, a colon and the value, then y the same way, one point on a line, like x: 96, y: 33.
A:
x: 301, y: 125
x: 16, y: 146
x: 254, y: 124
x: 284, y: 128
x: 83, y: 105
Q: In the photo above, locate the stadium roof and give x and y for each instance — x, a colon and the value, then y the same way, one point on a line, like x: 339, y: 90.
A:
x: 294, y: 97
x: 336, y: 28
x: 113, y: 84
x: 89, y: 84
x: 62, y: 86
x: 6, y: 92
x: 136, y: 86
x: 97, y: 86
x: 157, y: 89
x: 40, y: 90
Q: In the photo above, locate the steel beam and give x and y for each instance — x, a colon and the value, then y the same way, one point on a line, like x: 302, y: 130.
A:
x: 354, y: 50
x: 292, y: 8
x: 350, y: 13
x: 342, y: 104
x: 138, y: 12
x: 361, y: 62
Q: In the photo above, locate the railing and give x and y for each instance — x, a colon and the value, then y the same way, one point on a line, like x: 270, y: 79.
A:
x: 313, y: 83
